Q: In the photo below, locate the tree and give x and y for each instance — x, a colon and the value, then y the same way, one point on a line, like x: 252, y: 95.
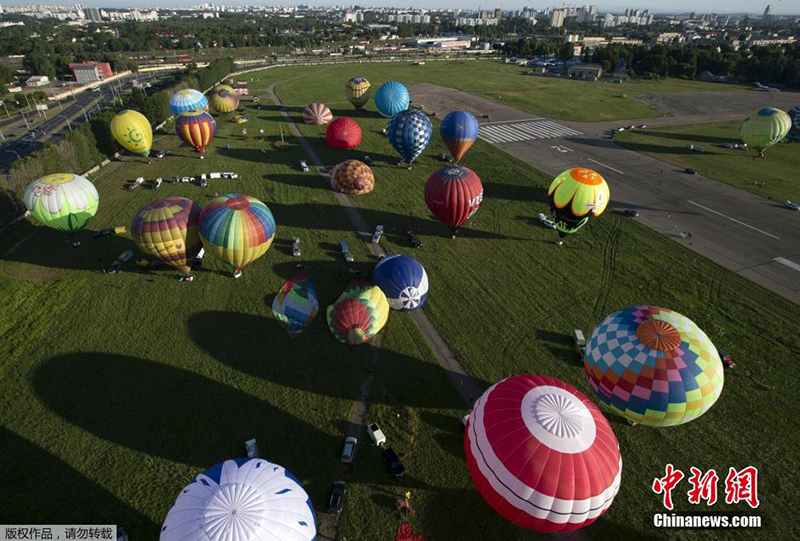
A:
x: 566, y: 51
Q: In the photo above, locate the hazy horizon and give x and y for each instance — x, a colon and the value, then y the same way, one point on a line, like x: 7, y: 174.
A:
x: 678, y: 6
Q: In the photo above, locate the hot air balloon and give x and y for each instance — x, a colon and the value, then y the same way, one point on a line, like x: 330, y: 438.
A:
x: 409, y: 133
x: 359, y: 315
x: 167, y: 230
x: 62, y: 201
x: 187, y: 99
x: 357, y: 91
x: 317, y: 114
x: 132, y: 130
x: 196, y: 129
x: 458, y: 130
x: 576, y: 197
x: 344, y: 133
x: 453, y: 194
x: 241, y: 499
x: 296, y: 304
x: 352, y: 177
x: 391, y: 98
x: 403, y: 280
x: 794, y: 115
x: 653, y: 366
x: 238, y: 229
x: 542, y: 454
x: 764, y: 128
x: 224, y: 99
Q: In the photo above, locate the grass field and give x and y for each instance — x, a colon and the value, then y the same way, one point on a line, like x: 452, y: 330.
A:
x: 739, y: 168
x: 118, y: 389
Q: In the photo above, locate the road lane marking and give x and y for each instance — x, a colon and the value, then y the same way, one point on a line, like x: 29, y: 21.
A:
x: 734, y: 220
x: 789, y: 263
x: 606, y: 166
x: 508, y: 121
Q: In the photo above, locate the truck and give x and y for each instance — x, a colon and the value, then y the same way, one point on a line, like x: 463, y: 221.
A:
x: 214, y: 175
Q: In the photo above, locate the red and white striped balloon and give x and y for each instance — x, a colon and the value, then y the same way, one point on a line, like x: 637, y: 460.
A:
x: 317, y: 114
x: 542, y: 454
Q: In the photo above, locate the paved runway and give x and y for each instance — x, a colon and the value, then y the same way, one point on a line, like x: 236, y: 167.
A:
x: 751, y: 235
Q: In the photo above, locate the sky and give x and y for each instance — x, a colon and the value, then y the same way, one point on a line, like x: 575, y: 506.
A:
x: 779, y: 7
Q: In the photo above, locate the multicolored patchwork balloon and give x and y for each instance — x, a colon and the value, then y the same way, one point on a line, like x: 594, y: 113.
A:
x: 236, y: 228
x: 62, y: 201
x: 409, y: 133
x: 224, y: 99
x: 353, y: 177
x: 391, y: 98
x: 458, y: 131
x: 357, y: 91
x: 187, y: 99
x: 296, y: 305
x: 404, y: 281
x: 343, y: 133
x: 576, y: 197
x: 542, y: 454
x: 239, y: 500
x: 317, y: 114
x: 453, y: 194
x: 196, y: 129
x: 653, y: 366
x: 764, y: 128
x: 167, y: 230
x: 133, y: 131
x: 359, y: 315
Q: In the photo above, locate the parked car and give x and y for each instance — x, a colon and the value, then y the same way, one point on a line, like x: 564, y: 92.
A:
x: 792, y: 206
x: 230, y: 175
x: 171, y: 180
x: 161, y: 153
x: 730, y: 145
x: 643, y: 126
x: 349, y: 449
x: 214, y: 175
x: 336, y: 502
x: 376, y: 434
x: 303, y: 166
x: 186, y: 179
x: 96, y: 89
x: 367, y: 160
x: 413, y: 239
x: 690, y: 171
x: 695, y: 148
x: 393, y: 462
x: 203, y: 183
x: 633, y: 213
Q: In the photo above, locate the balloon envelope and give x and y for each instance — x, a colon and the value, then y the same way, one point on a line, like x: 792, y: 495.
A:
x: 317, y: 114
x: 187, y: 99
x: 196, y: 129
x: 132, y: 130
x: 576, y: 197
x: 453, y: 194
x: 236, y: 228
x: 409, y: 133
x: 239, y: 500
x: 344, y: 133
x: 764, y: 128
x: 542, y: 454
x: 391, y: 98
x: 653, y: 366
x: 167, y: 230
x: 224, y: 99
x: 296, y: 305
x: 403, y: 280
x: 458, y: 130
x: 359, y: 315
x: 353, y: 177
x: 357, y: 91
x: 62, y: 201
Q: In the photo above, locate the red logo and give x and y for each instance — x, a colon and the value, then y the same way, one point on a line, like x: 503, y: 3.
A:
x: 665, y: 484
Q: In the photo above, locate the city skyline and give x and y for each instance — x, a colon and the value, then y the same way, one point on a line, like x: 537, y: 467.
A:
x: 677, y: 7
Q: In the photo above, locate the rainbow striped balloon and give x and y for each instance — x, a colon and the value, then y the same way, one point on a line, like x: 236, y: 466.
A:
x: 167, y: 230
x: 196, y: 129
x: 236, y: 228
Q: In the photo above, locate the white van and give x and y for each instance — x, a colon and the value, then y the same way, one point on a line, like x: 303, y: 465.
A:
x: 203, y: 177
x: 215, y: 175
x: 139, y: 180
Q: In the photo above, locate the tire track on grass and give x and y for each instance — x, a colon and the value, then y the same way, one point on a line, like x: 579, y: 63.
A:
x: 609, y: 266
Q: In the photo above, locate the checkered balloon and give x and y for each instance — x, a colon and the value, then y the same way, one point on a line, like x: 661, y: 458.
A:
x: 653, y: 366
x: 409, y: 133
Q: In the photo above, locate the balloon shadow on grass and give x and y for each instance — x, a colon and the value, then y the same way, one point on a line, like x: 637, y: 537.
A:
x: 315, y: 361
x: 40, y: 488
x: 561, y: 346
x: 514, y: 192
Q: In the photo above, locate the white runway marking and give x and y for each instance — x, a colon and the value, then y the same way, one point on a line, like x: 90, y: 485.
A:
x: 734, y: 220
x: 513, y: 131
x: 606, y: 166
x: 789, y: 263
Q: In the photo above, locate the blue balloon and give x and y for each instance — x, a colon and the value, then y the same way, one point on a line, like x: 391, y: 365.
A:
x: 458, y: 130
x: 187, y: 99
x: 391, y: 98
x: 409, y: 133
x: 403, y: 280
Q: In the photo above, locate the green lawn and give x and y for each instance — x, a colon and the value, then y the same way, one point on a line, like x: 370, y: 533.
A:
x: 118, y: 389
x: 740, y: 168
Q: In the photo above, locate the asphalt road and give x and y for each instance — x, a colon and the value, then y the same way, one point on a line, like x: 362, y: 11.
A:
x: 752, y: 236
